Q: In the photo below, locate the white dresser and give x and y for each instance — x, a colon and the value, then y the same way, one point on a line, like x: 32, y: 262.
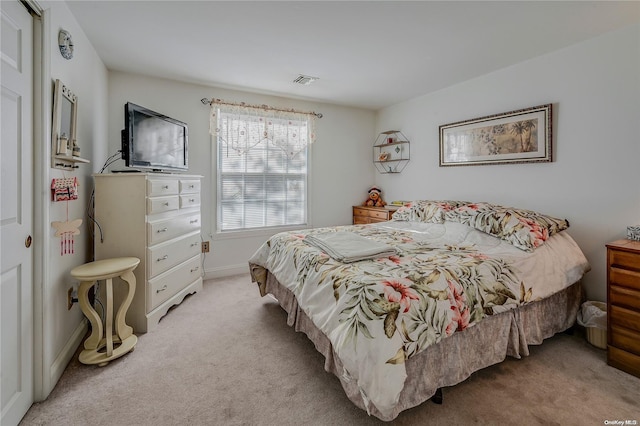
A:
x: 156, y: 218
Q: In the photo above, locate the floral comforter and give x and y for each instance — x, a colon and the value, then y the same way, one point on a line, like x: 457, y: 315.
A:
x: 444, y: 278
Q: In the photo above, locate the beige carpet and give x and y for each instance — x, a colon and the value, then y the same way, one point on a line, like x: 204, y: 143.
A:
x: 225, y: 356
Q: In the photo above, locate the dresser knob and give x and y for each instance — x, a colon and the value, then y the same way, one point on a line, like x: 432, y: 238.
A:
x: 164, y: 287
x: 165, y: 257
x: 162, y: 230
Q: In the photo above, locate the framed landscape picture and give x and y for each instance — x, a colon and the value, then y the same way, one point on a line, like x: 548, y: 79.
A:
x: 522, y: 136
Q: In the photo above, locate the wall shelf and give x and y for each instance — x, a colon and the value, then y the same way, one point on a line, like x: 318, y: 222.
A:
x: 67, y: 162
x: 391, y: 152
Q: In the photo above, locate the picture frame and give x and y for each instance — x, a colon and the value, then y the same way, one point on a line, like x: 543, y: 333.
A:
x: 520, y: 136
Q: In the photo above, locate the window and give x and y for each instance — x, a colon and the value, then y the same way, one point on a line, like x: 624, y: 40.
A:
x: 262, y: 170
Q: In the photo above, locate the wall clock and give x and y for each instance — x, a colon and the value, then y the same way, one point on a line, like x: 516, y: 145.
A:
x: 66, y: 44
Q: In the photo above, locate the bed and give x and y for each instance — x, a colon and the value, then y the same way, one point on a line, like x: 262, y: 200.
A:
x: 404, y: 308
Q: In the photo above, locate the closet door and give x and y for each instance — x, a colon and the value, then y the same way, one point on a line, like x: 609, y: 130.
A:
x: 16, y: 211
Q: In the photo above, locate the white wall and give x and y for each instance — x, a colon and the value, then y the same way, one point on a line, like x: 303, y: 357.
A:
x: 341, y: 168
x: 86, y: 76
x: 594, y: 179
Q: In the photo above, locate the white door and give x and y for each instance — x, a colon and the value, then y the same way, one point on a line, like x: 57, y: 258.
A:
x: 16, y: 211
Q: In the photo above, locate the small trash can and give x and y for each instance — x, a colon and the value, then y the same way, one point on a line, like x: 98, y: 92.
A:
x: 593, y: 316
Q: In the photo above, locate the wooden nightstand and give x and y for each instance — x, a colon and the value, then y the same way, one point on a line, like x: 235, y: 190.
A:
x: 623, y: 305
x: 364, y: 214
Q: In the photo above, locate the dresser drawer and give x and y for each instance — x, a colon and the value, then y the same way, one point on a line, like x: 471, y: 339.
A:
x: 162, y: 204
x: 373, y: 214
x: 361, y: 220
x: 626, y: 339
x: 622, y: 317
x: 158, y: 187
x: 624, y: 259
x: 625, y: 297
x: 164, y: 256
x: 624, y: 277
x: 359, y: 211
x: 189, y: 201
x: 162, y: 287
x: 189, y: 186
x: 164, y: 230
x: 623, y: 360
x: 378, y: 214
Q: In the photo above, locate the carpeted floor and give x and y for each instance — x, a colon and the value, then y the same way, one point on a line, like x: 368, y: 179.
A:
x: 225, y: 356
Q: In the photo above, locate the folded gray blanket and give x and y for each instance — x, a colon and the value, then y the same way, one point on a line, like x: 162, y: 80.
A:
x: 348, y: 247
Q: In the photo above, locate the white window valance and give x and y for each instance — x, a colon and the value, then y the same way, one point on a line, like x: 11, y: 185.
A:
x: 242, y: 127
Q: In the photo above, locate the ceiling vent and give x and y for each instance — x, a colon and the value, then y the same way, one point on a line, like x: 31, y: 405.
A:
x: 305, y: 80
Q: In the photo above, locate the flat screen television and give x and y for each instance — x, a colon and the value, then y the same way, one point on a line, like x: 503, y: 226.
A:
x: 153, y: 141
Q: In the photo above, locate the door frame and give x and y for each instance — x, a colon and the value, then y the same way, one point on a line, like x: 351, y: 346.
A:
x: 41, y: 131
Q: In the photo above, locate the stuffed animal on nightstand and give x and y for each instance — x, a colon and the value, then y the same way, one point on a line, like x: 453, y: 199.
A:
x: 375, y: 198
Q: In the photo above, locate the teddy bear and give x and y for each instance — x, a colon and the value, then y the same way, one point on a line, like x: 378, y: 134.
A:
x: 375, y: 198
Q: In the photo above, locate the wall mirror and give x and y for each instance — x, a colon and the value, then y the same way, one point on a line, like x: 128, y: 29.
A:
x: 65, y: 151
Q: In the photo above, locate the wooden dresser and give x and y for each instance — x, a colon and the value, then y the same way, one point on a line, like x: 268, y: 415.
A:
x: 364, y: 214
x: 156, y: 218
x: 623, y: 305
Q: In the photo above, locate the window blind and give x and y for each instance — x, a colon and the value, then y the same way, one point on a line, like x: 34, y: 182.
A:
x: 262, y: 172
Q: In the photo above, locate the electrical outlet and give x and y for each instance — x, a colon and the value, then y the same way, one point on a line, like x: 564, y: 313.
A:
x: 205, y: 246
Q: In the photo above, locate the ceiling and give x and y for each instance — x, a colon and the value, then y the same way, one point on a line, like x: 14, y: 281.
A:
x: 368, y: 54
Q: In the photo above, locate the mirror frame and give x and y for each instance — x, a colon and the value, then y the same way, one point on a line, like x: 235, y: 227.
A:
x: 62, y: 157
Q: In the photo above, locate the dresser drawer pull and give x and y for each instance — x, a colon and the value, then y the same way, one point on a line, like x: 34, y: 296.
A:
x: 165, y: 257
x: 162, y: 230
x: 192, y: 186
x: 195, y: 269
x: 164, y: 287
x: 194, y: 221
x: 165, y: 187
x: 166, y: 204
x: 192, y: 200
x: 194, y: 244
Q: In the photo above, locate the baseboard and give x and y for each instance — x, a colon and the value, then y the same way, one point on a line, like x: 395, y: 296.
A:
x: 65, y: 355
x: 226, y: 271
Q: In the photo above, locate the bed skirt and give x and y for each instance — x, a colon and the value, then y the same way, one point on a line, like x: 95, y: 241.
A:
x: 486, y: 343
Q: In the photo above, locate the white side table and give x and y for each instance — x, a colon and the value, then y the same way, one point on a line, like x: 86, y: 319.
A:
x: 99, y: 347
